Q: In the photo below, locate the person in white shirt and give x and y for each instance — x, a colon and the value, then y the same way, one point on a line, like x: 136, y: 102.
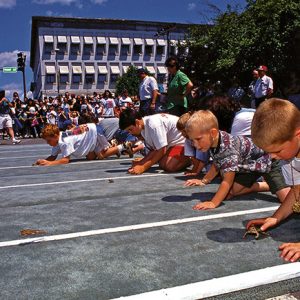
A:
x: 263, y: 87
x: 108, y: 105
x: 164, y: 141
x: 124, y: 101
x: 148, y: 93
x: 85, y: 140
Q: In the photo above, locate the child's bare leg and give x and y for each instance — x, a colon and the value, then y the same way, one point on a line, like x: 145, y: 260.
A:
x: 281, y: 194
x: 171, y: 164
x: 238, y: 189
x: 108, y: 152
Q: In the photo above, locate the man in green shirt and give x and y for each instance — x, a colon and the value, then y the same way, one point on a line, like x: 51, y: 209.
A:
x: 179, y: 87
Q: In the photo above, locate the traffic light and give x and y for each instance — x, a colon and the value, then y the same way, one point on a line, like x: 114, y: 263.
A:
x: 21, y: 61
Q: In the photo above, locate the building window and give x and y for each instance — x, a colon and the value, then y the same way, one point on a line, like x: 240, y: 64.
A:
x: 75, y: 49
x: 161, y: 78
x: 50, y: 78
x: 89, y: 78
x: 172, y: 50
x: 100, y: 50
x: 63, y: 78
x: 76, y: 78
x: 137, y: 49
x: 87, y: 49
x: 160, y: 50
x: 62, y: 48
x: 48, y: 48
x: 113, y: 50
x: 148, y: 50
x: 102, y: 78
x: 113, y: 78
x: 125, y: 49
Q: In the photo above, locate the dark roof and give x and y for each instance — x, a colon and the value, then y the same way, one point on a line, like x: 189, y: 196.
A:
x: 64, y: 22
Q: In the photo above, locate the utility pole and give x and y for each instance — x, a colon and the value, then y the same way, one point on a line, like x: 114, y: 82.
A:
x: 21, y: 67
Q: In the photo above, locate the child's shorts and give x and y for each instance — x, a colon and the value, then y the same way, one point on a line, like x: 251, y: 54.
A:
x: 274, y: 178
x: 177, y: 152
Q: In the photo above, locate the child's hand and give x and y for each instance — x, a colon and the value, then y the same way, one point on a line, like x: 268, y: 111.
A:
x: 265, y: 222
x: 290, y: 251
x: 194, y: 182
x: 43, y: 162
x: 136, y: 170
x: 204, y: 205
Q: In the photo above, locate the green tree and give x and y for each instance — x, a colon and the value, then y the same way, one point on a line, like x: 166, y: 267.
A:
x: 129, y: 81
x: 264, y: 33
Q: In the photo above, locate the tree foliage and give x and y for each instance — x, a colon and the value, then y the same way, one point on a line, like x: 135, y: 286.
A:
x: 264, y: 33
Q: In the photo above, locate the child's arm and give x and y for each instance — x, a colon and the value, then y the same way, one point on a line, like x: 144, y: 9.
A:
x: 51, y: 161
x: 198, y: 165
x: 148, y: 161
x: 284, y: 210
x: 211, y: 174
x: 221, y: 194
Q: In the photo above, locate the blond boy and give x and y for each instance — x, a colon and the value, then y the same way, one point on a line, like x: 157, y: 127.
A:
x: 276, y: 129
x: 239, y: 161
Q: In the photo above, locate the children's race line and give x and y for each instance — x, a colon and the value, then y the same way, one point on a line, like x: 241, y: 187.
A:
x: 223, y: 285
x: 133, y: 227
x: 73, y: 163
x: 83, y: 180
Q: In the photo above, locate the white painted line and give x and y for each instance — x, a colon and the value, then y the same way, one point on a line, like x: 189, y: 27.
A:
x: 223, y: 285
x: 134, y: 227
x: 83, y: 180
x: 72, y: 163
x: 17, y: 157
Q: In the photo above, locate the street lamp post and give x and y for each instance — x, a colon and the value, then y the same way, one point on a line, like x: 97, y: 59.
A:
x: 57, y: 70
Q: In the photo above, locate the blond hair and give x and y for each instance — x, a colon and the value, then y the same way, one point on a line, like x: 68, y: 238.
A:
x: 274, y: 122
x: 50, y: 130
x: 180, y: 125
x: 202, y: 120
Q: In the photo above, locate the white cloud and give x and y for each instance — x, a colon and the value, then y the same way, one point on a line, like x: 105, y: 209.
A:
x: 62, y: 2
x: 191, y: 6
x: 10, y: 88
x: 50, y: 13
x: 7, y: 3
x: 9, y: 59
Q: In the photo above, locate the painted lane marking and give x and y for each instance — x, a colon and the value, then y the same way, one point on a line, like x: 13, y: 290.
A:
x: 133, y: 227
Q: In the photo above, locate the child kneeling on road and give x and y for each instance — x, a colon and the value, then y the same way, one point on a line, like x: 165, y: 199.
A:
x: 82, y: 141
x: 240, y: 162
x: 161, y: 137
x: 276, y: 129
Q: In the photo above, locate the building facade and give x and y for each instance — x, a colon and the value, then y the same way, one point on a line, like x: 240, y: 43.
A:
x: 86, y: 55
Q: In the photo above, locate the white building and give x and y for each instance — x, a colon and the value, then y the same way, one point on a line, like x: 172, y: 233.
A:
x: 86, y: 55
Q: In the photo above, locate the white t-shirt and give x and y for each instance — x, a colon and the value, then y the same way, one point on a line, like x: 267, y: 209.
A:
x: 146, y: 88
x: 262, y: 85
x: 125, y: 102
x: 108, y: 107
x: 51, y: 117
x: 160, y: 131
x: 290, y: 170
x: 77, y: 145
x: 242, y: 122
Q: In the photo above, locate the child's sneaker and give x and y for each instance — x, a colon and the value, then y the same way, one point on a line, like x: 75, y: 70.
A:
x: 16, y: 141
x: 114, y: 142
x: 128, y: 148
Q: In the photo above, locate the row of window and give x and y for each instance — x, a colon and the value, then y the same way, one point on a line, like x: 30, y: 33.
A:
x: 63, y: 73
x: 90, y: 78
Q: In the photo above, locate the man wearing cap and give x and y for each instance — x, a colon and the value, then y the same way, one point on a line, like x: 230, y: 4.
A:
x: 148, y: 93
x: 263, y: 88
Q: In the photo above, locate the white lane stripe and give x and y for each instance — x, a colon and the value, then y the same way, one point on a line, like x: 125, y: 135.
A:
x: 83, y: 180
x: 134, y: 227
x: 223, y: 285
x: 16, y: 157
x: 74, y: 163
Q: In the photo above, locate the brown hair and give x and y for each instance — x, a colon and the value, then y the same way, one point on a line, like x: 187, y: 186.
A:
x: 180, y: 125
x: 274, y: 122
x: 204, y: 120
x: 50, y: 130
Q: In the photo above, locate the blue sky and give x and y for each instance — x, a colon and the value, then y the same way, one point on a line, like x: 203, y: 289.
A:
x: 15, y: 32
